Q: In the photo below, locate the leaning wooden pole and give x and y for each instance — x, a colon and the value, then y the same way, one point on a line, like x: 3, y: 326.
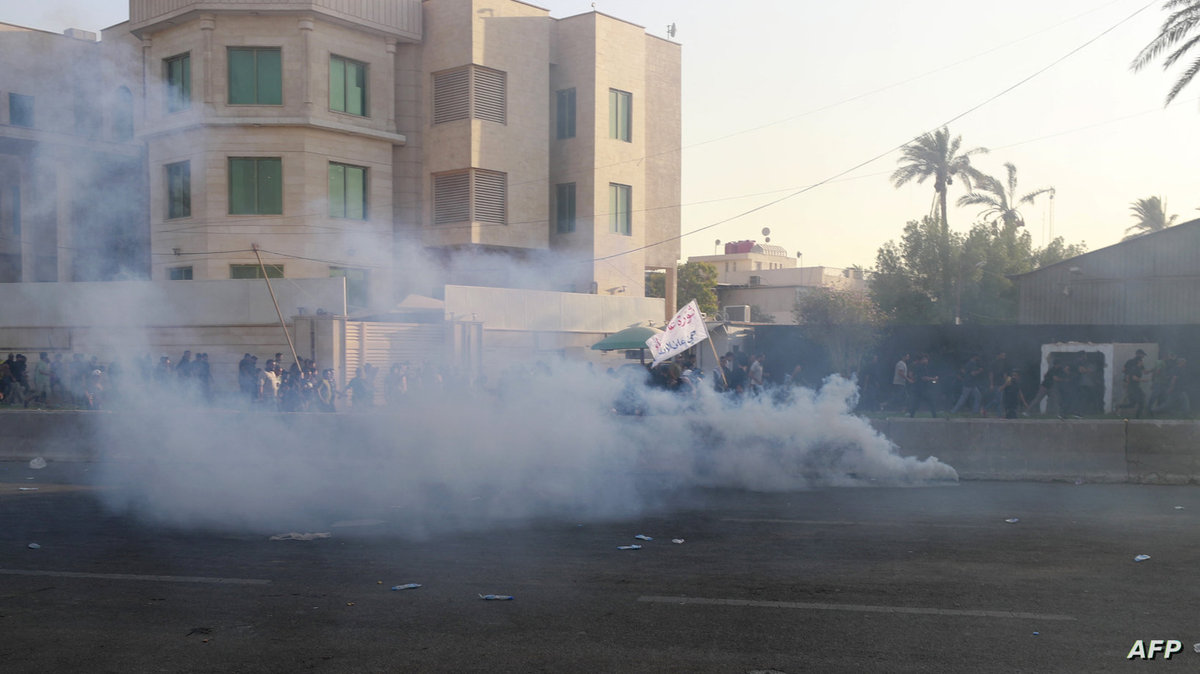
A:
x: 720, y: 369
x: 282, y: 324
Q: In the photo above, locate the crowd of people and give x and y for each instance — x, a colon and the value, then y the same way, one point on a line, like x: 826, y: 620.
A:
x: 51, y: 381
x: 75, y: 381
x: 1072, y: 386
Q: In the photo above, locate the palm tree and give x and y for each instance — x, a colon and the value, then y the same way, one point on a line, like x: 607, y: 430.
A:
x: 936, y: 155
x: 1151, y: 215
x: 1000, y: 201
x: 1173, y: 35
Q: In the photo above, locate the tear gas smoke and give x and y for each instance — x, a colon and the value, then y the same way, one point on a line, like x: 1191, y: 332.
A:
x: 545, y: 444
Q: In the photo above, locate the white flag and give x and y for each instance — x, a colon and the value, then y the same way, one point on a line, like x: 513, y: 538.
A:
x: 684, y: 331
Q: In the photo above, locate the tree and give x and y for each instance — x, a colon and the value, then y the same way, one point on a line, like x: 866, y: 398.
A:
x: 936, y: 155
x: 1173, y: 36
x: 906, y: 281
x: 1151, y: 216
x: 656, y: 284
x: 1000, y: 200
x: 845, y: 322
x: 697, y: 281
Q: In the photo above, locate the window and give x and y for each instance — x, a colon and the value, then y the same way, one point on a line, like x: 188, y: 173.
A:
x: 123, y: 114
x: 347, y: 86
x: 246, y: 271
x: 620, y: 209
x: 179, y: 190
x: 565, y: 118
x: 356, y: 284
x: 180, y: 273
x: 620, y: 115
x: 472, y: 92
x: 474, y: 195
x: 87, y: 115
x: 347, y: 191
x: 255, y: 76
x: 20, y: 110
x: 255, y: 186
x: 178, y: 75
x: 564, y: 208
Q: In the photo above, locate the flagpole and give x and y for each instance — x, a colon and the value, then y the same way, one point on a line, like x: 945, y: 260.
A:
x: 724, y: 381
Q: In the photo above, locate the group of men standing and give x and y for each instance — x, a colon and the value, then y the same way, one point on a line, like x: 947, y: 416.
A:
x: 1073, y: 382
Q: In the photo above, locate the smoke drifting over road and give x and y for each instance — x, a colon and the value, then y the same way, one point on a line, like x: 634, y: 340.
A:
x: 545, y: 445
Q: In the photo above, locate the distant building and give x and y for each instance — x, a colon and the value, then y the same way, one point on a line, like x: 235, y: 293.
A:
x: 764, y: 276
x: 1149, y: 280
x: 745, y: 258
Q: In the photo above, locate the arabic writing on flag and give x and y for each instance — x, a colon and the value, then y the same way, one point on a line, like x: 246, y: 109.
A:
x: 684, y: 331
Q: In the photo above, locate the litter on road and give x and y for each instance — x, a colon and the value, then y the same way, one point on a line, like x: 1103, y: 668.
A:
x: 37, y: 463
x: 496, y: 597
x: 406, y: 586
x: 34, y: 546
x: 677, y: 541
x: 643, y: 537
x: 1012, y: 520
x: 629, y: 547
x: 27, y: 488
x: 1141, y: 558
x: 293, y: 536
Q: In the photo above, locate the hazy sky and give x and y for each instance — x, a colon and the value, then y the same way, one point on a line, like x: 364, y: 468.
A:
x: 779, y: 95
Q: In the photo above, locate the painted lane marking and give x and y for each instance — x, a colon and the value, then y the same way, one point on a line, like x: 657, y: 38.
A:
x: 130, y: 576
x: 857, y: 608
x: 846, y: 523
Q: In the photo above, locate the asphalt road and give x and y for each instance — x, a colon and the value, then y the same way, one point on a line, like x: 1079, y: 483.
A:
x: 864, y: 580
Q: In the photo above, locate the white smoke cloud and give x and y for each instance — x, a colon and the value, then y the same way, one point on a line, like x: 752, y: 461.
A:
x: 545, y: 445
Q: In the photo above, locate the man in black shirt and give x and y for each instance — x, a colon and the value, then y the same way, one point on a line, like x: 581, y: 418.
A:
x: 1135, y: 396
x: 924, y: 386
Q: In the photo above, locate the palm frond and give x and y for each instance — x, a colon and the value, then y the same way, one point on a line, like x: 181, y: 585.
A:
x: 977, y: 199
x: 1173, y: 29
x: 1178, y: 53
x: 1183, y: 80
x: 1028, y: 198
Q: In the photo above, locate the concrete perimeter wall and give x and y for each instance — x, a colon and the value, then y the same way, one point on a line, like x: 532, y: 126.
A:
x: 1151, y: 452
x: 1143, y: 451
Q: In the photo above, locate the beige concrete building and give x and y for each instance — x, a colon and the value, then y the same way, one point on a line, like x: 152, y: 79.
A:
x: 339, y: 137
x: 72, y: 197
x: 743, y: 259
x: 764, y: 276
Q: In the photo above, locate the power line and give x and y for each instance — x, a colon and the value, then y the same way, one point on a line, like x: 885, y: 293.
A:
x: 893, y: 149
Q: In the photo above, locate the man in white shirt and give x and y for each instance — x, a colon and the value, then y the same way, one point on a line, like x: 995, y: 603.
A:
x: 756, y: 374
x: 900, y: 383
x: 269, y: 385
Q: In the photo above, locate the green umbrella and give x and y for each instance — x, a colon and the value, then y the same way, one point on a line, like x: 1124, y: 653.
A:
x: 627, y: 339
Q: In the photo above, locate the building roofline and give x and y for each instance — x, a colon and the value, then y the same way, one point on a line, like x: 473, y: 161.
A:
x: 29, y: 29
x: 530, y: 4
x: 596, y: 13
x: 1123, y: 242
